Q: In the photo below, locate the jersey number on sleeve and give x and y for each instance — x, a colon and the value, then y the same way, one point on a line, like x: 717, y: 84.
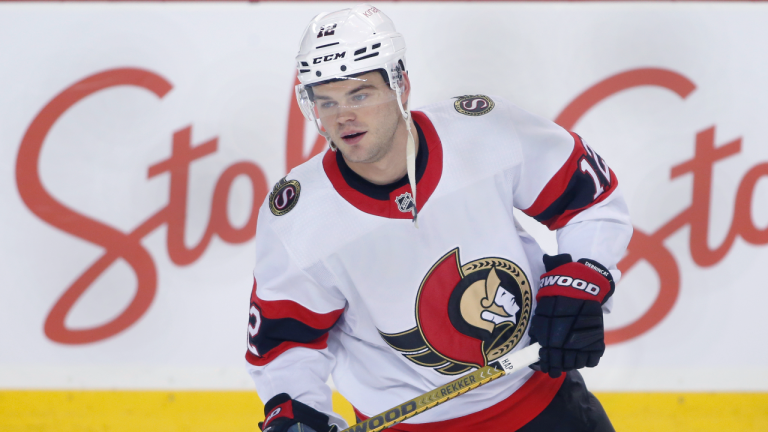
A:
x: 254, y: 323
x: 600, y: 177
x: 583, y: 181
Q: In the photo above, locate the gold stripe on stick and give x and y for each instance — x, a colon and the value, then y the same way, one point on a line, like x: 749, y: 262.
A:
x: 429, y: 400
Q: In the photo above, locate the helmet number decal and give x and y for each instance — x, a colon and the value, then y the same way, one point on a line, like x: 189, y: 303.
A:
x: 327, y: 31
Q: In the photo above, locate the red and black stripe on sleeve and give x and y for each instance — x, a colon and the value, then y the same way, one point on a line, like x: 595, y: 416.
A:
x: 276, y: 326
x: 583, y: 181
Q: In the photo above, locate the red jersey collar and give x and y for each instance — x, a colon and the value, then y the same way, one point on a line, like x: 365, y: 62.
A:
x: 381, y: 200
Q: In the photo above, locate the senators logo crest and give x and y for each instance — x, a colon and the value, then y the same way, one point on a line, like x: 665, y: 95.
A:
x: 467, y: 316
x: 473, y: 105
x: 284, y: 196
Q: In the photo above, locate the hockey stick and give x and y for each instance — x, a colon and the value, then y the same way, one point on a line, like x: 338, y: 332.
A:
x: 503, y: 366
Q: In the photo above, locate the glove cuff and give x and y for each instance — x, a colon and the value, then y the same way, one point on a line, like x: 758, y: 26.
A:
x: 586, y: 279
x: 282, y: 408
x: 596, y: 266
x: 279, y: 407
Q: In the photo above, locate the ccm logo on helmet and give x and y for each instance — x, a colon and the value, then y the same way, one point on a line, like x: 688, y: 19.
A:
x: 329, y: 57
x: 569, y: 281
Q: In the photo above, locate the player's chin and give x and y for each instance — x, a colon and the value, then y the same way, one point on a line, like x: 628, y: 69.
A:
x: 356, y: 154
x: 357, y: 146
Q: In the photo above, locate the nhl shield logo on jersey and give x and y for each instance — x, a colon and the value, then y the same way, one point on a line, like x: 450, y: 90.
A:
x: 467, y: 315
x: 284, y: 196
x: 404, y: 202
x: 473, y: 105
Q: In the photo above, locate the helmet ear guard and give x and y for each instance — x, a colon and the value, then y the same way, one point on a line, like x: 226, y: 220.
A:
x: 396, y: 79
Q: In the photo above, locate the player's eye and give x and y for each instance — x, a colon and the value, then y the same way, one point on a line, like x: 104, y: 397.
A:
x: 359, y: 97
x: 328, y: 104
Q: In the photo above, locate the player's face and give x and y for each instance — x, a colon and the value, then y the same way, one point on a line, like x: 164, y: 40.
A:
x: 360, y: 114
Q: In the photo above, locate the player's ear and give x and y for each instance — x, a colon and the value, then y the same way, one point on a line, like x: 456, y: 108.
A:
x: 406, y: 88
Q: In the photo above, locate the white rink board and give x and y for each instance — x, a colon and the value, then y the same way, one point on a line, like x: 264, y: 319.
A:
x: 227, y: 71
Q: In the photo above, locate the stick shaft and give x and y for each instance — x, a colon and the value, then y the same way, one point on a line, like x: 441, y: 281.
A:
x: 505, y: 365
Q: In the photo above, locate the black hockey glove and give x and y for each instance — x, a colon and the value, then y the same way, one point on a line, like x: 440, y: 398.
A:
x: 283, y: 414
x: 568, y: 321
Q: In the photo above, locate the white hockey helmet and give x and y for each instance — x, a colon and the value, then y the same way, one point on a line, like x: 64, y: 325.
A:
x: 348, y: 42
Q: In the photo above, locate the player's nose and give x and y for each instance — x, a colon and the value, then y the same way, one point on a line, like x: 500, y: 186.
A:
x: 345, y: 114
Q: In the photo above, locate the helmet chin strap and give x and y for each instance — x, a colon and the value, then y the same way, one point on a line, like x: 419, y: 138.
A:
x: 410, y: 153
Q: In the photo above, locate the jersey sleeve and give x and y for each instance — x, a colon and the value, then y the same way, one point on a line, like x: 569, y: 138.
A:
x: 290, y: 317
x: 561, y: 177
x: 564, y: 184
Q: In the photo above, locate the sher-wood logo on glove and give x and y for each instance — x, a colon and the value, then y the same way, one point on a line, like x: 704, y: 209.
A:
x: 585, y: 281
x: 567, y: 281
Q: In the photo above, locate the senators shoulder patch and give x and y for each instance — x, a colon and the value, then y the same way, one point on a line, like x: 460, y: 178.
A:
x: 284, y: 196
x: 473, y: 105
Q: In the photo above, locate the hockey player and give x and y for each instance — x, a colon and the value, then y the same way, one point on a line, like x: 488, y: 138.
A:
x: 393, y: 261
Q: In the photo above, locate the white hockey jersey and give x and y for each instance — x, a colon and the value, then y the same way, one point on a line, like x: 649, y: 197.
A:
x: 346, y: 285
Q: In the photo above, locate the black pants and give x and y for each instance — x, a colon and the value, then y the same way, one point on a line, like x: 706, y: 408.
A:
x: 574, y: 409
